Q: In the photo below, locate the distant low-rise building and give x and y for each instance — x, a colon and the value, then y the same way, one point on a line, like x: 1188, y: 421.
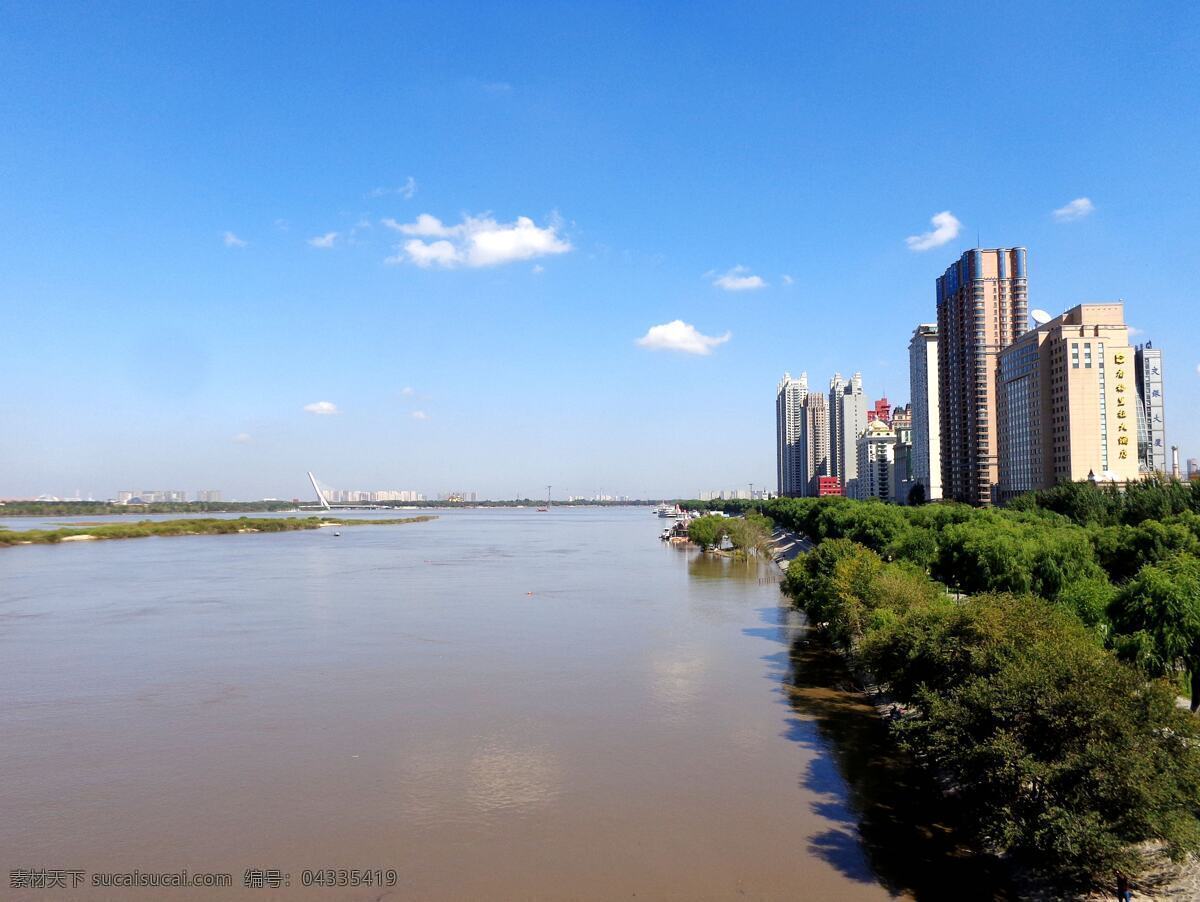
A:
x: 151, y: 496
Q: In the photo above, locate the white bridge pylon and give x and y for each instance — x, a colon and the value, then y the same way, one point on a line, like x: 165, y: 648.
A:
x: 321, y: 499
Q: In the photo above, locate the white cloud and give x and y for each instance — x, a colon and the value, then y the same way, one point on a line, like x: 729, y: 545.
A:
x: 282, y: 224
x: 420, y: 415
x: 1076, y: 209
x: 680, y: 336
x: 408, y: 391
x: 787, y: 280
x: 538, y: 269
x: 436, y: 253
x: 945, y: 228
x: 325, y: 241
x: 476, y: 241
x: 407, y: 190
x: 232, y: 240
x: 426, y: 226
x: 739, y: 279
x: 321, y: 408
x: 1198, y: 369
x: 242, y: 438
x: 1134, y: 330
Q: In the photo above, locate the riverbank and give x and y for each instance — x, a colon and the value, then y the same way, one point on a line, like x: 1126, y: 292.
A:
x: 85, y: 532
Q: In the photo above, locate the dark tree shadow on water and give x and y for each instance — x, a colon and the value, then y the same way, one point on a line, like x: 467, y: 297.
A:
x: 891, y: 824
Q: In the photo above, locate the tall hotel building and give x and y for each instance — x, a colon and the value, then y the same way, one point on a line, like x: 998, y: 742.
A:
x: 982, y: 307
x: 1067, y: 406
x: 926, y: 460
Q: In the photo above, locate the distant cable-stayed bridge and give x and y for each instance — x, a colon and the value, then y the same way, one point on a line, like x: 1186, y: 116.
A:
x: 323, y: 492
x: 321, y: 499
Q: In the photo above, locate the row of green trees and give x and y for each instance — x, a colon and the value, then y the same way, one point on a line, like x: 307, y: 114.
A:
x: 1128, y: 577
x: 1036, y: 653
x: 1065, y: 757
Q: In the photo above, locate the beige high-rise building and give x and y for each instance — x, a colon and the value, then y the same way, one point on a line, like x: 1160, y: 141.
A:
x: 1067, y: 402
x: 982, y: 306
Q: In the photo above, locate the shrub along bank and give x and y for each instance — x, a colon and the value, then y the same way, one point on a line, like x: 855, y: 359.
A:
x: 747, y: 534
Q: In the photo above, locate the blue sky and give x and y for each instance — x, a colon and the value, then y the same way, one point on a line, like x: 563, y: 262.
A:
x: 168, y: 174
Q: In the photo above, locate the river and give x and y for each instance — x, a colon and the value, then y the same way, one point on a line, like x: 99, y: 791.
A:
x: 499, y: 704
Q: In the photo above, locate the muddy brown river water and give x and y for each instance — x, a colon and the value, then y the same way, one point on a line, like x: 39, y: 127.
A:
x: 499, y: 704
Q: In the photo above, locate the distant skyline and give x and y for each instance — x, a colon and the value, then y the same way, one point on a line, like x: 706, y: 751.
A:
x: 502, y: 247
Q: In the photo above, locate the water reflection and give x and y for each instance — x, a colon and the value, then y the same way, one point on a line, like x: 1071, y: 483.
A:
x: 715, y: 566
x: 676, y: 683
x: 882, y: 806
x: 502, y: 776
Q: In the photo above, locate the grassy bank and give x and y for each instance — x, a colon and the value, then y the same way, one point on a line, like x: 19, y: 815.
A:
x: 191, y: 527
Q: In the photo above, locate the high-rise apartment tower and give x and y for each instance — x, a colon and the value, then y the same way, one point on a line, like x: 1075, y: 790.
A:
x: 790, y: 396
x: 982, y: 306
x: 802, y: 437
x: 847, y: 421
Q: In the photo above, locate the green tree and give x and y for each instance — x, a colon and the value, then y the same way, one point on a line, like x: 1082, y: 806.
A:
x: 707, y: 531
x: 1123, y: 550
x: 1065, y: 758
x: 749, y: 533
x: 1157, y: 616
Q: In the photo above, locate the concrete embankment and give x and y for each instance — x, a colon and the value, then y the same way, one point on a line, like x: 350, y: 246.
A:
x: 786, y: 545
